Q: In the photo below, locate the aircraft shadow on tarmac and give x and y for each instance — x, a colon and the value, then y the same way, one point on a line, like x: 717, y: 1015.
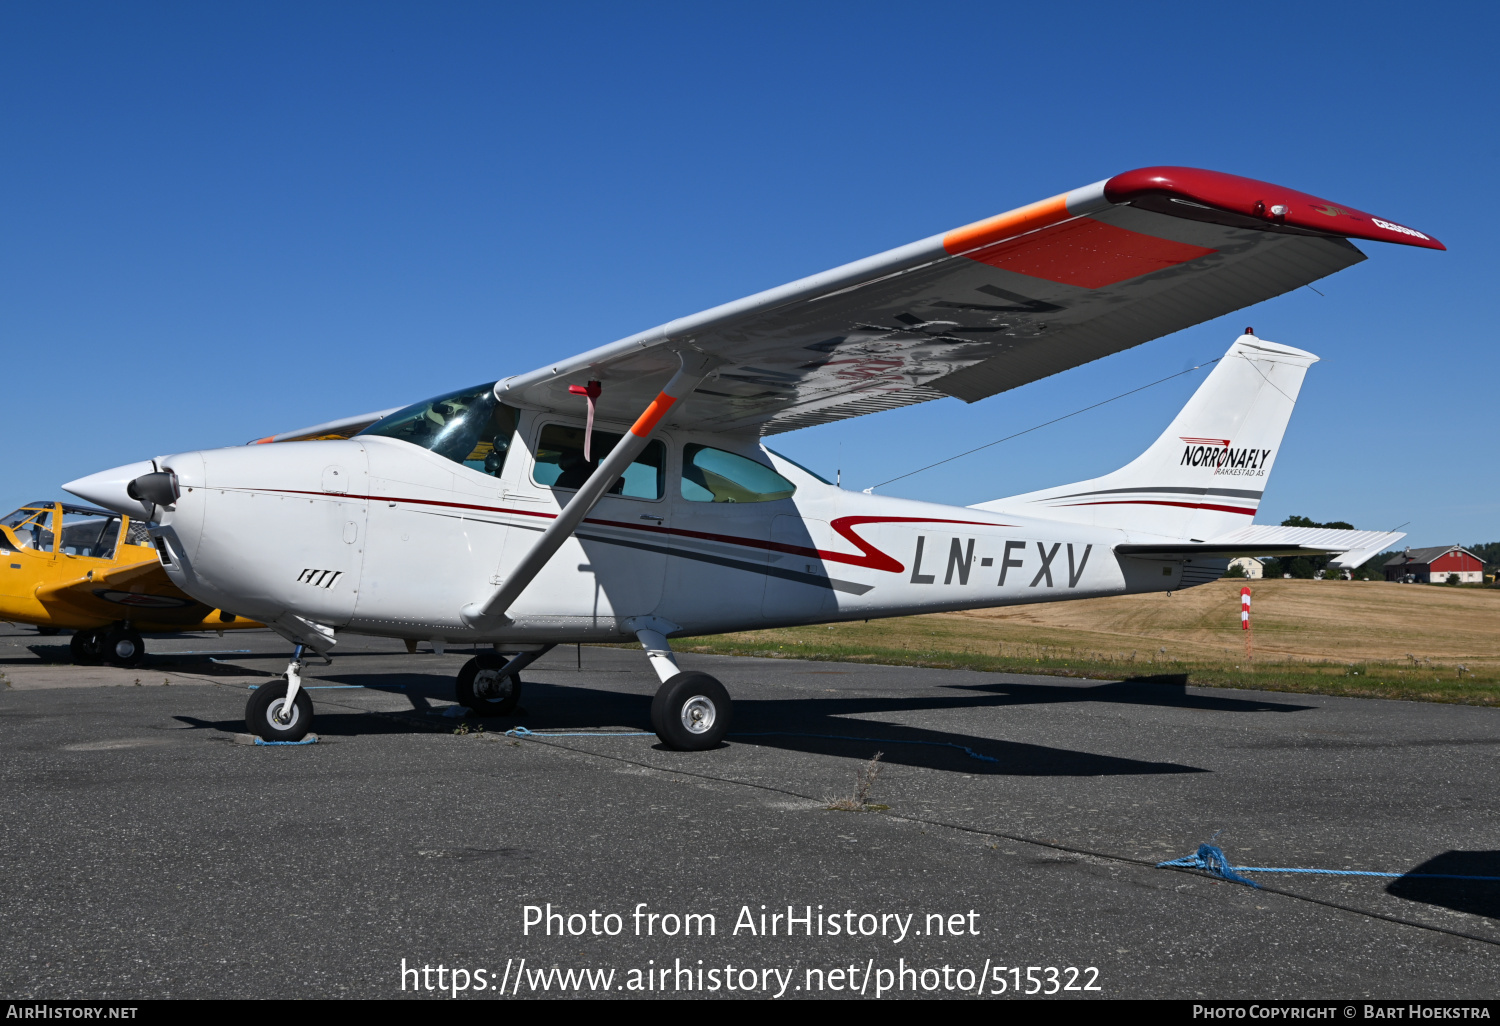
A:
x: 51, y: 655
x: 792, y: 724
x: 1477, y: 897
x: 1160, y: 691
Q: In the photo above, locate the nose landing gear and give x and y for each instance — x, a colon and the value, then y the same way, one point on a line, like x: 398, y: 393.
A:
x: 281, y: 710
x: 271, y: 717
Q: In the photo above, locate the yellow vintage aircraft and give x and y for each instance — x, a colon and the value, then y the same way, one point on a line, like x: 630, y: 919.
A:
x: 95, y: 572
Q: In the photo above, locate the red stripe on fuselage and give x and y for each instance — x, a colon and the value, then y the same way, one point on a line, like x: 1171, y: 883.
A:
x: 869, y: 556
x: 1164, y: 502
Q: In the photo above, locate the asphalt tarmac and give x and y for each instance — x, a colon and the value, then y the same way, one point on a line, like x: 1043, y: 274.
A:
x: 149, y: 852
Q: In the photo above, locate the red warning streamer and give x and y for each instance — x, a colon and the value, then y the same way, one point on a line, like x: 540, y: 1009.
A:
x: 591, y: 392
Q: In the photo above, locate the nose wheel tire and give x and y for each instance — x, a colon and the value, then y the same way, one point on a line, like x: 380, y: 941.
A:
x: 267, y: 717
x: 86, y: 648
x: 691, y: 712
x: 121, y: 646
x: 483, y: 688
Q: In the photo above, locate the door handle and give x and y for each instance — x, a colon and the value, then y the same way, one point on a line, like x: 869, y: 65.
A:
x: 649, y: 516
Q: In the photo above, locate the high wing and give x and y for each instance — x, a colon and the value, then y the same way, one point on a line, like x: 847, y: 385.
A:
x: 983, y: 308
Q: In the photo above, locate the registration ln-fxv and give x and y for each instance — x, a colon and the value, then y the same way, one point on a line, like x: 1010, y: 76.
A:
x: 625, y: 493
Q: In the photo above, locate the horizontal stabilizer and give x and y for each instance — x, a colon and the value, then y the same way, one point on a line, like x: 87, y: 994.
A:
x: 1352, y: 548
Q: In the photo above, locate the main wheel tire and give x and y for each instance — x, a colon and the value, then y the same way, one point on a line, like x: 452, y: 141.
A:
x: 266, y: 702
x: 122, y: 646
x: 86, y: 647
x: 483, y: 688
x: 691, y: 712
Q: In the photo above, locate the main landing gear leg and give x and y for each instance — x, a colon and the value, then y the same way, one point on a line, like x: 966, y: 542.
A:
x: 490, y: 684
x: 691, y: 710
x: 281, y: 710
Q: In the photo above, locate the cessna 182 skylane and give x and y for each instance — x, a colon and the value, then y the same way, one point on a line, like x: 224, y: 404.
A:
x: 500, y: 514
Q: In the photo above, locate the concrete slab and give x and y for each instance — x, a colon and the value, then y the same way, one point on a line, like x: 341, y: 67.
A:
x: 147, y: 854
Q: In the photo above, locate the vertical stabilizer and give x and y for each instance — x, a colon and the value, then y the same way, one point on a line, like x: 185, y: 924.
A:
x: 1205, y: 475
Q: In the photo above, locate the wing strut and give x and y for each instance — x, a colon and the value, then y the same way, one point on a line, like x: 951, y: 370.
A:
x: 491, y: 612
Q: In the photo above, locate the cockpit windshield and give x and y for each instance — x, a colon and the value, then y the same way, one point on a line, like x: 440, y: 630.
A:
x: 469, y: 426
x: 85, y: 531
x: 30, y: 526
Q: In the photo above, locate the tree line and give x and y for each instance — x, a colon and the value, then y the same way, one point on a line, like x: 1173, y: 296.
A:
x: 1373, y: 569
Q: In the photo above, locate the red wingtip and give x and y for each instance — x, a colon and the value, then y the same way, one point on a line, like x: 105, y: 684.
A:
x: 1261, y: 200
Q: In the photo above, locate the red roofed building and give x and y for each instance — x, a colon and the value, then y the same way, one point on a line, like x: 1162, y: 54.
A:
x: 1435, y: 565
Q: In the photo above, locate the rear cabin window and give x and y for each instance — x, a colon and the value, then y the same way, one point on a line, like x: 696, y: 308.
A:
x: 560, y: 462
x: 713, y: 475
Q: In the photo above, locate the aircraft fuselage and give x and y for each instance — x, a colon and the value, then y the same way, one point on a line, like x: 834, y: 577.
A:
x: 376, y: 536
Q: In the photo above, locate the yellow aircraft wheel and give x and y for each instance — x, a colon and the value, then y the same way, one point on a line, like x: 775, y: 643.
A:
x: 85, y: 646
x: 122, y: 646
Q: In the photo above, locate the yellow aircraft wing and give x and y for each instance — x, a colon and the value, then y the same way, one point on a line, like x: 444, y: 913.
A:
x: 138, y: 592
x: 75, y: 567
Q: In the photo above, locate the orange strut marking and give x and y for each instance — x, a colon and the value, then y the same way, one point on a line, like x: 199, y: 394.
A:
x: 1008, y: 225
x: 655, y: 412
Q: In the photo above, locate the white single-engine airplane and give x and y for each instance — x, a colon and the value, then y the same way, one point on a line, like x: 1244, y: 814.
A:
x: 501, y: 514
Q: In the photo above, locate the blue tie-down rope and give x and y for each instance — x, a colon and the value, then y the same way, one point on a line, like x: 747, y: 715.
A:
x: 305, y: 741
x: 524, y: 732
x: 1213, y: 861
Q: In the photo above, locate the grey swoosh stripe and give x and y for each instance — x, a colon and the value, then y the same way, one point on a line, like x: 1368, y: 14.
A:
x: 1238, y: 493
x: 817, y: 581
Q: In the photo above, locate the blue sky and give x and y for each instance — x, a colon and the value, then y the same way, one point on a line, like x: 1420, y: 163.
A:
x: 225, y: 220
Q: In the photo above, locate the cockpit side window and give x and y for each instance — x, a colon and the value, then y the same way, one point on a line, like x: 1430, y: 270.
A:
x: 560, y: 462
x: 469, y: 426
x: 31, y: 527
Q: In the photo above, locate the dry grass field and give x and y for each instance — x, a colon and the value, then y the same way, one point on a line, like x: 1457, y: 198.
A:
x: 1435, y: 643
x: 1310, y: 621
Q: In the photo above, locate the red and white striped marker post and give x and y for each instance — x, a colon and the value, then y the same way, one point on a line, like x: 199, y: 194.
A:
x: 1245, y: 621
